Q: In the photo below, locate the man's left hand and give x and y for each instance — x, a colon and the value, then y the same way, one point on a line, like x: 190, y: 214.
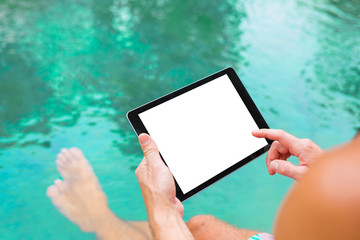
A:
x: 155, y: 179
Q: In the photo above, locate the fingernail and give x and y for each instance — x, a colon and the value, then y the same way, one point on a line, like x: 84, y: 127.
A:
x: 255, y: 131
x: 144, y: 139
x: 276, y: 166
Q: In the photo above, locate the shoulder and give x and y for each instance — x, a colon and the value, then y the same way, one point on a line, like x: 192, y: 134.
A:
x: 325, y: 203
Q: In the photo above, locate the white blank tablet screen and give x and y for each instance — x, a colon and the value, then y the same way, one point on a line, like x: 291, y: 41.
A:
x: 202, y: 132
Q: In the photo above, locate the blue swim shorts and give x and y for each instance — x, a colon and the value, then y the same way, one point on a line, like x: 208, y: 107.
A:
x: 262, y: 236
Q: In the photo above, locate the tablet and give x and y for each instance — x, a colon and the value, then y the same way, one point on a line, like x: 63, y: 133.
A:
x: 203, y: 130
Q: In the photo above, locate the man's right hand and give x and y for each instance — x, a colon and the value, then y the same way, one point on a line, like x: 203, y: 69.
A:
x: 284, y: 146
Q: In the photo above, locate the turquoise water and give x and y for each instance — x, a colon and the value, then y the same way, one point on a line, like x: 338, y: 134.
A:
x: 70, y: 70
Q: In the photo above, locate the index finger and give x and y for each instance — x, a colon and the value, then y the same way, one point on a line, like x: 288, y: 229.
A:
x: 284, y: 138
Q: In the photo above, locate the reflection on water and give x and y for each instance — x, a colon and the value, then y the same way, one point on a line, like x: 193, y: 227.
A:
x: 67, y: 60
x: 70, y: 70
x: 334, y: 70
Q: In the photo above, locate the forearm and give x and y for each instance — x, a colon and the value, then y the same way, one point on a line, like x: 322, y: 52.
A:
x: 168, y: 224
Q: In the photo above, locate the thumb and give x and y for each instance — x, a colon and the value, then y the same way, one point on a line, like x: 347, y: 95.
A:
x: 287, y: 169
x: 150, y: 149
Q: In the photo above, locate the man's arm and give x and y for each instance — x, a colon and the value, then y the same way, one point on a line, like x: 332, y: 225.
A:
x: 325, y: 203
x: 157, y: 185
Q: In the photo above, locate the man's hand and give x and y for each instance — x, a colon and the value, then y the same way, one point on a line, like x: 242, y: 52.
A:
x: 155, y: 179
x: 157, y: 185
x: 283, y: 147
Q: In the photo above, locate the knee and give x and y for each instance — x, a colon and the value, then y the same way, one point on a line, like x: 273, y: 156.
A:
x: 197, y: 222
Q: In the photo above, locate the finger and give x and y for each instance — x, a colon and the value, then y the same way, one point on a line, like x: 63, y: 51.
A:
x: 288, y: 169
x: 272, y: 155
x: 150, y: 150
x: 286, y: 139
x: 283, y: 150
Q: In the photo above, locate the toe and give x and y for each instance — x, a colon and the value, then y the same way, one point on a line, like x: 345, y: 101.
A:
x: 77, y: 153
x: 52, y: 191
x: 59, y: 185
x: 66, y: 154
x: 61, y: 157
x: 62, y: 170
x: 60, y: 163
x: 55, y: 195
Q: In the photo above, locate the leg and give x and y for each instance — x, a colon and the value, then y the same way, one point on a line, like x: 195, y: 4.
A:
x: 80, y: 198
x: 206, y: 227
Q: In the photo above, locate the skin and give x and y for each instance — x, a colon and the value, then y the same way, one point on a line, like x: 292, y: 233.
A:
x: 284, y: 146
x: 325, y: 204
x: 158, y: 188
x: 80, y: 197
x: 165, y: 211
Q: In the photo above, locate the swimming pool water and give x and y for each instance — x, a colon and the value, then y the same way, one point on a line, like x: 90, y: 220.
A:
x: 70, y: 70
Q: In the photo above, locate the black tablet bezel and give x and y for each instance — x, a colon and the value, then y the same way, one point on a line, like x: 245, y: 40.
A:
x: 138, y: 126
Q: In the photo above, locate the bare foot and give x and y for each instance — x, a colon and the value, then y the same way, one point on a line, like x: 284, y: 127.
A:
x: 79, y: 197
